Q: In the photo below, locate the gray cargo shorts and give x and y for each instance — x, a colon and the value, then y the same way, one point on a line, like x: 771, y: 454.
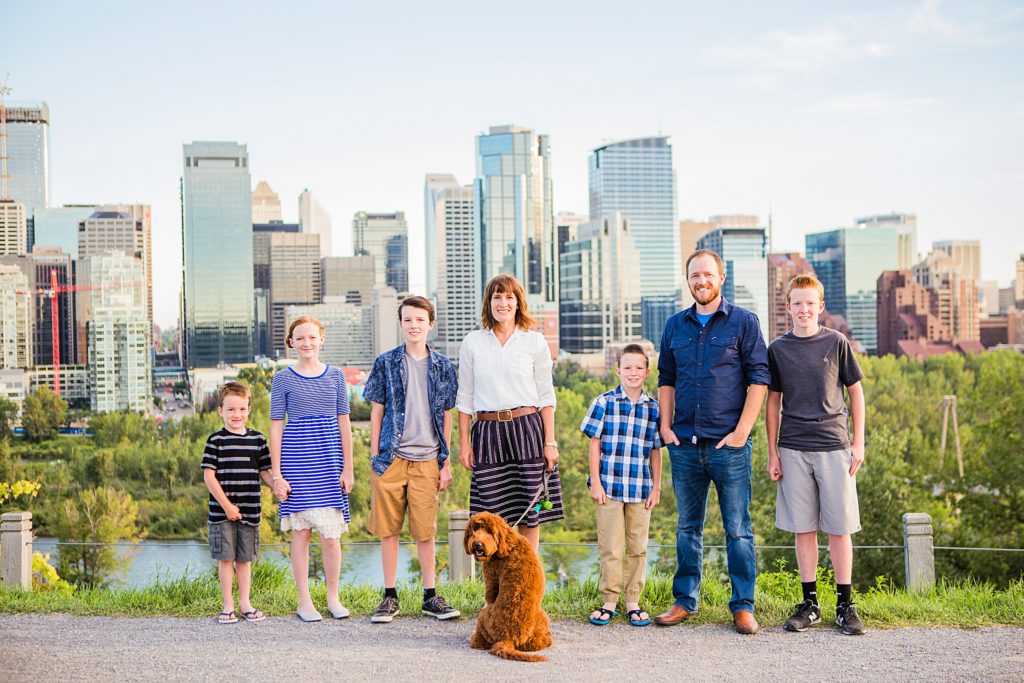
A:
x: 816, y: 492
x: 234, y: 541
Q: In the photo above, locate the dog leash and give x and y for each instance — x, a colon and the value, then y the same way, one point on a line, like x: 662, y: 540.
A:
x: 541, y: 490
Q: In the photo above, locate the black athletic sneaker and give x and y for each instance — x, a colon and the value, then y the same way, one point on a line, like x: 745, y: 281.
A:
x: 807, y: 614
x: 386, y: 610
x: 847, y: 619
x: 437, y: 607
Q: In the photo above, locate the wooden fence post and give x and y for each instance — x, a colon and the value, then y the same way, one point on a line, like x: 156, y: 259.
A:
x: 918, y: 553
x: 460, y: 565
x: 16, y: 549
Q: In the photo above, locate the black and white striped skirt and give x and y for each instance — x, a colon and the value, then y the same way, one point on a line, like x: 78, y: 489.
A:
x: 508, y: 470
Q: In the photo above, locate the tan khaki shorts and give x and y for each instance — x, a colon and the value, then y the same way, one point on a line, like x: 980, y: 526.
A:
x: 816, y: 492
x: 405, y: 485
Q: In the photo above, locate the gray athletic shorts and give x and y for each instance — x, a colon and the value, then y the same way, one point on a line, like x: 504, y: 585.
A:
x: 234, y: 541
x: 817, y: 492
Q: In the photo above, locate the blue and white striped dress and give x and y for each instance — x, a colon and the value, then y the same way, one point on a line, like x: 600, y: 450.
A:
x: 311, y: 457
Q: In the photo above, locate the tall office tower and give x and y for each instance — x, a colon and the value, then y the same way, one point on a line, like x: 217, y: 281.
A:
x: 266, y: 205
x: 121, y: 227
x: 217, y: 292
x: 600, y: 292
x: 905, y: 225
x: 294, y: 279
x: 261, y: 236
x: 349, y: 278
x: 848, y: 262
x: 781, y: 269
x: 1018, y: 283
x: 988, y: 298
x: 28, y: 155
x: 635, y: 178
x: 966, y: 254
x: 15, y: 318
x: 567, y: 227
x: 745, y: 252
x: 119, y: 331
x: 39, y: 268
x: 1006, y: 301
x: 906, y: 314
x: 348, y: 331
x: 458, y: 286
x: 13, y: 231
x: 384, y: 305
x: 58, y: 227
x: 955, y: 297
x: 434, y: 186
x: 313, y: 218
x: 384, y: 236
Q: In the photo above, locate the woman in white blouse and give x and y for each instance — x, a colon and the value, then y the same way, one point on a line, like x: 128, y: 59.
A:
x: 505, y: 382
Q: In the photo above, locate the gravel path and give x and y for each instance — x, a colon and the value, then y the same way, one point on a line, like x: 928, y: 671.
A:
x: 61, y: 647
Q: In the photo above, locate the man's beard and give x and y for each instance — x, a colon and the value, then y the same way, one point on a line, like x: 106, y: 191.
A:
x: 705, y: 297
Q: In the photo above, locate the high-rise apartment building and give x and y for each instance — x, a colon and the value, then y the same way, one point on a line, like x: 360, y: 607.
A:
x: 13, y: 229
x: 313, y: 218
x: 955, y: 296
x: 600, y: 293
x: 906, y: 314
x: 1018, y: 283
x: 635, y: 178
x: 217, y: 291
x: 28, y: 155
x: 458, y: 264
x: 848, y: 262
x: 433, y: 186
x: 266, y: 204
x: 121, y: 228
x: 781, y: 269
x: 905, y: 225
x: 350, y: 278
x: 385, y: 237
x: 15, y: 318
x: 745, y: 253
x: 294, y: 279
x: 966, y: 255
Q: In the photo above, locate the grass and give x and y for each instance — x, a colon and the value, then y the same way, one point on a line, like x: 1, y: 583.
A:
x: 962, y: 604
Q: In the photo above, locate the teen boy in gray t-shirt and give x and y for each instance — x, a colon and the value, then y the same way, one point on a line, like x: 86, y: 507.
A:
x: 812, y: 455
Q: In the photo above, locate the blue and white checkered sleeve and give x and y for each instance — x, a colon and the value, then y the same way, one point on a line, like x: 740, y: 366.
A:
x: 593, y: 423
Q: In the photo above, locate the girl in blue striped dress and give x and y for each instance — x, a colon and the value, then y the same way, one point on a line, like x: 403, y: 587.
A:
x: 311, y: 460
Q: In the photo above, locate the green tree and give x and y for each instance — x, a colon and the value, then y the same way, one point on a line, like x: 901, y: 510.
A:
x: 8, y: 414
x: 42, y: 413
x: 99, y: 515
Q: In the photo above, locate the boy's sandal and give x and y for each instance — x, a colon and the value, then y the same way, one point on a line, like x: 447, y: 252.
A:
x: 254, y: 615
x: 227, y: 618
x: 605, y: 616
x: 636, y: 617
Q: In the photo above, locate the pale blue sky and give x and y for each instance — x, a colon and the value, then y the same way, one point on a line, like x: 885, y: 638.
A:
x: 823, y: 111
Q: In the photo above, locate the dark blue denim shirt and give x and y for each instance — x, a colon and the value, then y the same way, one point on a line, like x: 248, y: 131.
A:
x: 710, y: 368
x: 386, y: 385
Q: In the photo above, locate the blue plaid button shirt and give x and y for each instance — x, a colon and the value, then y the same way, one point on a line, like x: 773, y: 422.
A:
x: 628, y: 433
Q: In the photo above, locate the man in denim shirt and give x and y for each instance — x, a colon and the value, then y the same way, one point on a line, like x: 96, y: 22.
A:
x: 713, y: 377
x: 412, y: 389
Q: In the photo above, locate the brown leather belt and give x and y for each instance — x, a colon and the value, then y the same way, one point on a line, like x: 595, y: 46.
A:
x: 505, y: 415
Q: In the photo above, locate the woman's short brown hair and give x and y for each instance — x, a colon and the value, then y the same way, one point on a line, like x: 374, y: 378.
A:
x: 506, y: 284
x: 302, y: 319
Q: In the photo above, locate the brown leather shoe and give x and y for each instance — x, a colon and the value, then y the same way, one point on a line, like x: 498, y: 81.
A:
x: 745, y: 622
x: 675, y: 615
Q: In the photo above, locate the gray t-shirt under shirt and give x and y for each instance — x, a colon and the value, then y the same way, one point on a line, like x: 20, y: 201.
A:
x: 419, y: 438
x: 811, y: 373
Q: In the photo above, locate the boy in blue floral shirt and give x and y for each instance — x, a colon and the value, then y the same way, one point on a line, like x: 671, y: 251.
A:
x: 412, y: 389
x: 625, y: 482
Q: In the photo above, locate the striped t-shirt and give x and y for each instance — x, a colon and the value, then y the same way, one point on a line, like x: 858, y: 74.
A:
x: 238, y: 460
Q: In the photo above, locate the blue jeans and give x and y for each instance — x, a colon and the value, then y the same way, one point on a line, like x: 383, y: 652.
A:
x: 694, y: 467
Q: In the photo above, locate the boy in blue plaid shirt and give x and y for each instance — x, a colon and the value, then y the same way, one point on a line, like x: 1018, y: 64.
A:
x: 625, y: 482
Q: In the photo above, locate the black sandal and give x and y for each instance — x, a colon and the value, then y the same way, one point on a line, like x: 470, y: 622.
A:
x: 606, y: 616
x: 638, y: 621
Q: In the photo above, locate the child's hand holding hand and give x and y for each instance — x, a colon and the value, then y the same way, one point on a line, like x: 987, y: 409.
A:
x: 233, y: 513
x: 597, y: 493
x: 653, y: 499
x: 282, y: 488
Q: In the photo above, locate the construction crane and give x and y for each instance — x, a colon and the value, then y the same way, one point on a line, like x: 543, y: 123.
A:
x: 52, y: 293
x: 5, y: 90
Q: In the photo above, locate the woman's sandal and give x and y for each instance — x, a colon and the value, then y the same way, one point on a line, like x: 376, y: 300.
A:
x: 638, y: 621
x: 606, y: 616
x: 227, y: 618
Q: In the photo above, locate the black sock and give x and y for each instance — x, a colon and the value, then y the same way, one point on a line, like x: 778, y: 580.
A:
x: 810, y: 591
x: 391, y: 593
x: 843, y: 593
x: 428, y: 593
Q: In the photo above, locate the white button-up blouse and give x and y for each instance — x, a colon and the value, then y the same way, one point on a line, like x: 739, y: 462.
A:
x: 495, y: 377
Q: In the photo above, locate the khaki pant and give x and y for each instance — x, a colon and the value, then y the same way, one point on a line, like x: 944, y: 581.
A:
x: 405, y: 485
x: 622, y: 526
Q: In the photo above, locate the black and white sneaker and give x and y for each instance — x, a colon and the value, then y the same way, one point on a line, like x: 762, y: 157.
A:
x: 847, y: 619
x: 437, y: 607
x: 386, y: 610
x: 807, y: 614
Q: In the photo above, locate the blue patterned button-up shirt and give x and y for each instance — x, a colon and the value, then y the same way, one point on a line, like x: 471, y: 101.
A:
x: 386, y: 385
x: 628, y: 433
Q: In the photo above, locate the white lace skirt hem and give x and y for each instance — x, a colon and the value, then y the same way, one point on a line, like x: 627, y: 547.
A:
x: 328, y: 522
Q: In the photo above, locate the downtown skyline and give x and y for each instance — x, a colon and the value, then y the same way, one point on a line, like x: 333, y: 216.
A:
x: 817, y: 115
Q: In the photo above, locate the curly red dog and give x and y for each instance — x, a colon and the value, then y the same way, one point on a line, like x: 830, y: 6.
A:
x: 512, y: 623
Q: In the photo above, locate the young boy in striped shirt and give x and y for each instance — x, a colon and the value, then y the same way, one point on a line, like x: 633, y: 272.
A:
x: 236, y: 458
x: 625, y: 483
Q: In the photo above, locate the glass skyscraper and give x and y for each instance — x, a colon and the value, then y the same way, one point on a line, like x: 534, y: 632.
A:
x: 217, y: 288
x: 384, y: 236
x: 745, y: 252
x: 635, y: 178
x: 848, y: 261
x: 28, y: 155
